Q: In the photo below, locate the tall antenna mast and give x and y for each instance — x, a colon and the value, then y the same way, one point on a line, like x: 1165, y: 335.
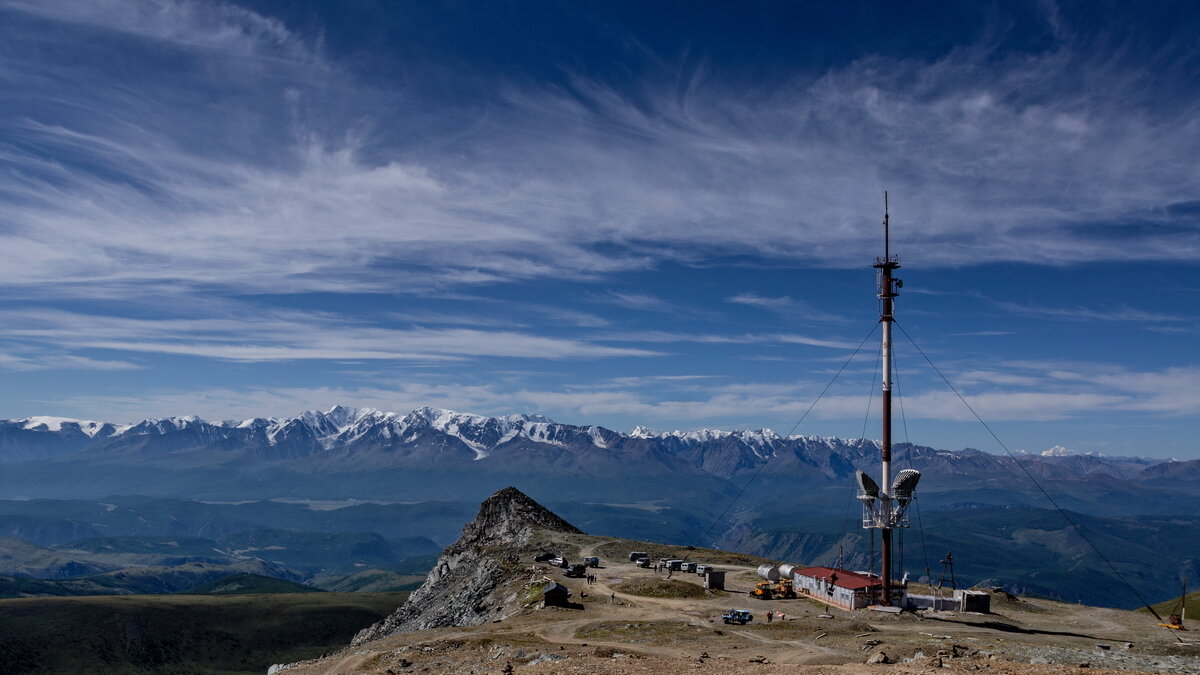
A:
x: 885, y: 504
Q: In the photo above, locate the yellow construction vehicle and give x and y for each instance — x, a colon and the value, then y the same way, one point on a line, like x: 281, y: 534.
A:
x: 783, y: 589
x: 763, y: 590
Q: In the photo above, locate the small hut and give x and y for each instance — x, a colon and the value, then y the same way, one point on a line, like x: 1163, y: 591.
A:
x: 714, y: 580
x: 555, y: 595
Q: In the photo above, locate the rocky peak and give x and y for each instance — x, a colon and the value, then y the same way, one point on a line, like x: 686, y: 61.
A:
x: 470, y: 584
x: 508, y: 517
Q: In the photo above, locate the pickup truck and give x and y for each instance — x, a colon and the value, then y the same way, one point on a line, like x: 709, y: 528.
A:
x: 738, y: 616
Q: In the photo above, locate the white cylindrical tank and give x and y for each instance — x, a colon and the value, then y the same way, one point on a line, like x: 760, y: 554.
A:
x: 786, y: 570
x: 768, y: 572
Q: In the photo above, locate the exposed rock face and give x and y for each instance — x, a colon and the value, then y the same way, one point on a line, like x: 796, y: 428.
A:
x: 466, y: 585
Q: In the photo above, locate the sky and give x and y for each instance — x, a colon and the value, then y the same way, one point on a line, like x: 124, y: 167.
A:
x: 619, y: 213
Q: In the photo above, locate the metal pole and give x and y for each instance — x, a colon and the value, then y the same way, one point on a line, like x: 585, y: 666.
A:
x: 886, y: 295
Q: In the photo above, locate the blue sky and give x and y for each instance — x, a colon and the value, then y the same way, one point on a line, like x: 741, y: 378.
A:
x: 609, y: 213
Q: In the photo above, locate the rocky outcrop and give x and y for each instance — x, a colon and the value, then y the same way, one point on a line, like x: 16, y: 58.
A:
x: 469, y: 584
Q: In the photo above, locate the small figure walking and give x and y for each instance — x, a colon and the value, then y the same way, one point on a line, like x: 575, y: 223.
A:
x: 612, y: 599
x: 770, y: 616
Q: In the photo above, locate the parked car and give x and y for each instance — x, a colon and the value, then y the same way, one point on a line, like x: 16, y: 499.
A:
x: 643, y: 562
x: 576, y: 570
x: 738, y: 616
x: 702, y: 569
x: 543, y: 557
x: 688, y: 567
x: 558, y: 561
x: 634, y: 555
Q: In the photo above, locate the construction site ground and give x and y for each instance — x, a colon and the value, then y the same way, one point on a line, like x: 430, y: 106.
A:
x: 610, y: 631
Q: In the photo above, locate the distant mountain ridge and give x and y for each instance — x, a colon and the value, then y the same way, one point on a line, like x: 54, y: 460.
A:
x: 355, y: 450
x: 342, y: 426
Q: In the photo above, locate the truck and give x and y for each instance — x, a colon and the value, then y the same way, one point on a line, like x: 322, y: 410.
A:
x: 634, y: 555
x: 738, y: 616
x: 591, y: 561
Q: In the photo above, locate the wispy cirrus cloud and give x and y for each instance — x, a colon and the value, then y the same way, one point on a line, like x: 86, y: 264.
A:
x: 286, y: 336
x: 778, y: 304
x: 1090, y: 314
x: 724, y: 338
x: 784, y: 305
x: 523, y: 192
x: 218, y: 26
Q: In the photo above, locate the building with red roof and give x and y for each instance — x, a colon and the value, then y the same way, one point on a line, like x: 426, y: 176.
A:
x: 841, y: 588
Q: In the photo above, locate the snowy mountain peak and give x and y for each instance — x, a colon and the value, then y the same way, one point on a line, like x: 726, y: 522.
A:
x: 47, y: 423
x: 1060, y: 451
x: 645, y: 432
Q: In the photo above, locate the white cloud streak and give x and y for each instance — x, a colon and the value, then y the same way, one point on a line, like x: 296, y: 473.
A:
x: 666, y: 401
x: 283, y: 336
x: 997, y: 159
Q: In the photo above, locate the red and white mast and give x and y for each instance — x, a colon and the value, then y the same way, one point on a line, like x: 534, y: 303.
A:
x: 885, y: 505
x: 887, y: 292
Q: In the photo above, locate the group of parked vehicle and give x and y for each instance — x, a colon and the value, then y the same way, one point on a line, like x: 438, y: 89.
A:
x: 642, y: 559
x: 578, y: 570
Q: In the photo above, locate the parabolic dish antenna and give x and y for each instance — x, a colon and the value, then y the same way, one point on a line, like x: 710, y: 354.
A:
x: 905, y: 483
x: 870, y: 489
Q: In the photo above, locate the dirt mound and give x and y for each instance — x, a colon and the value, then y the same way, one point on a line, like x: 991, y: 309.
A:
x: 661, y: 588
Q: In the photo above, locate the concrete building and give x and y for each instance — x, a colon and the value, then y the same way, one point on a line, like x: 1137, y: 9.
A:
x: 961, y: 600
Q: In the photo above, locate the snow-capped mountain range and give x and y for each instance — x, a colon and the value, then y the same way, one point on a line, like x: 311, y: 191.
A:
x: 430, y: 450
x: 342, y: 426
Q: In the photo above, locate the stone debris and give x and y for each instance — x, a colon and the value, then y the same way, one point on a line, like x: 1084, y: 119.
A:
x: 879, y: 657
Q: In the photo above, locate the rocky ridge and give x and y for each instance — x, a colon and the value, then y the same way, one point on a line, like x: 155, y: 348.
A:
x: 469, y: 585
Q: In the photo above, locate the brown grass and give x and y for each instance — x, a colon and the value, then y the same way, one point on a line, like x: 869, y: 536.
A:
x: 661, y: 588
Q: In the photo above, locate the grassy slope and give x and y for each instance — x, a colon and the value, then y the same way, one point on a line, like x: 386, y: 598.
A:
x: 374, y: 581
x: 180, y: 633
x: 250, y: 584
x: 1193, y: 609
